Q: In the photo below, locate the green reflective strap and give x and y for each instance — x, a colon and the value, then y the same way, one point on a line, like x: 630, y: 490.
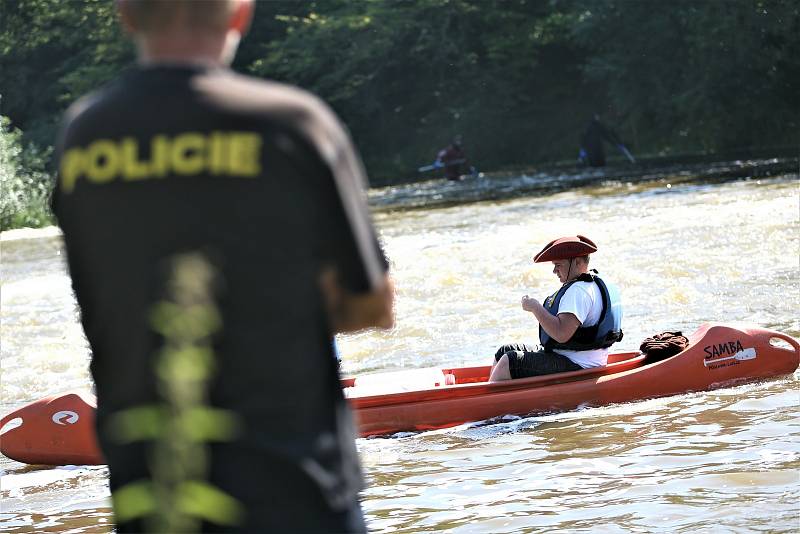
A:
x: 134, y: 501
x: 204, y: 501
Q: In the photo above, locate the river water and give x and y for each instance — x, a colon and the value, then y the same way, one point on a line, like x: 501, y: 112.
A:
x: 684, y: 250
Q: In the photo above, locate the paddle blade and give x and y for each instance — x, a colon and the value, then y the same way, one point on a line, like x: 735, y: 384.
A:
x: 627, y: 153
x: 56, y: 430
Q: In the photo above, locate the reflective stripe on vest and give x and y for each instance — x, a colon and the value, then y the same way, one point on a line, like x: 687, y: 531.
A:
x: 606, y: 332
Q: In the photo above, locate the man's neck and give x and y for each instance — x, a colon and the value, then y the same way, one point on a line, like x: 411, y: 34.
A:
x: 577, y: 275
x: 177, y: 49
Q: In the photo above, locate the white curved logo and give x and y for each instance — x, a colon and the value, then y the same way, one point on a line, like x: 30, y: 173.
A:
x: 65, y: 417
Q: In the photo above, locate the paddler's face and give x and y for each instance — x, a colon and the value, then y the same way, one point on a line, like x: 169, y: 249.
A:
x: 561, y: 270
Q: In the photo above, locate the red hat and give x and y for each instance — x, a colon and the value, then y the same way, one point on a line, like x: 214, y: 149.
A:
x: 564, y: 248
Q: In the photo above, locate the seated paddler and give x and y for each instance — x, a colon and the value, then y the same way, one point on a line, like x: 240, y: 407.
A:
x: 577, y: 324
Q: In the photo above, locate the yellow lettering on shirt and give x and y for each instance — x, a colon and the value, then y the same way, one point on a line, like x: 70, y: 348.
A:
x: 72, y: 164
x: 245, y: 152
x: 132, y: 168
x: 159, y: 156
x: 186, y: 153
x: 219, y: 153
x: 102, y: 161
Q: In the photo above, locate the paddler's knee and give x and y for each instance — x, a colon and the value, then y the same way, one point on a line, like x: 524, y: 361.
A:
x: 500, y: 370
x: 511, y: 347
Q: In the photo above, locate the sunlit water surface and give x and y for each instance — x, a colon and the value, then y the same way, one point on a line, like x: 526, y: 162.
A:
x: 683, y: 253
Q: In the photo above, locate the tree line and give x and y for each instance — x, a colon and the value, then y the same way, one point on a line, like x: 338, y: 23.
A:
x: 518, y: 79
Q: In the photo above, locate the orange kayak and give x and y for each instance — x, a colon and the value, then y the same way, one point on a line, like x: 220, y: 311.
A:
x: 59, y: 429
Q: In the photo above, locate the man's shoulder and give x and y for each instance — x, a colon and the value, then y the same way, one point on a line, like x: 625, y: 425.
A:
x: 263, y: 97
x: 225, y: 90
x: 583, y: 287
x: 278, y: 103
x: 89, y: 103
x: 583, y: 291
x: 84, y: 115
x: 255, y: 90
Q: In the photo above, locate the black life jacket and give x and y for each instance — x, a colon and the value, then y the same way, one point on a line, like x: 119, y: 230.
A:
x: 606, y: 332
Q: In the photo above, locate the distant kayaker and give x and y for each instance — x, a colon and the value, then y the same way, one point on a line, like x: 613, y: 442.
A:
x: 453, y: 159
x: 261, y: 179
x: 592, y: 152
x: 577, y: 323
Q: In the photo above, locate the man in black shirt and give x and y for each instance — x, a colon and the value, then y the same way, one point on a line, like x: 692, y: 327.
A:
x: 182, y: 155
x: 592, y: 152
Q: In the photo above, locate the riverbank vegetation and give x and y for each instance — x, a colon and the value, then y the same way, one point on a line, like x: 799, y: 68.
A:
x: 24, y: 181
x: 517, y: 79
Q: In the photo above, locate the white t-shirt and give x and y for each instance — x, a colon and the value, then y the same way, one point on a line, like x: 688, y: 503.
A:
x: 584, y: 301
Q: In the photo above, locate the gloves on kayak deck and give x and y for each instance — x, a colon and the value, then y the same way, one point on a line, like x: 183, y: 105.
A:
x: 662, y: 346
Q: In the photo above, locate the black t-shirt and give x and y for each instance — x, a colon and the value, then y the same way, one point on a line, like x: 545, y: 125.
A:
x: 263, y: 179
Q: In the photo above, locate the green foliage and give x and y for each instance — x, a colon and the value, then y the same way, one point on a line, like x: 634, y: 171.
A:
x: 24, y: 182
x: 53, y: 52
x: 407, y: 76
x: 517, y: 78
x: 698, y: 75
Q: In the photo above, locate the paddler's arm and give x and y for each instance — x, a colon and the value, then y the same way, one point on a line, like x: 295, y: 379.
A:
x: 350, y: 312
x: 560, y: 327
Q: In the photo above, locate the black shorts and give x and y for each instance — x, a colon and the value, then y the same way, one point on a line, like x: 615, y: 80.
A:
x: 524, y: 361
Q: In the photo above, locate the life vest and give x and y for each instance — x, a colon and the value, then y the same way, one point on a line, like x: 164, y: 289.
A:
x: 606, y: 332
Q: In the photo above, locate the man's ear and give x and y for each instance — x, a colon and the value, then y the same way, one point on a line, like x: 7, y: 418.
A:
x: 242, y: 16
x: 126, y: 20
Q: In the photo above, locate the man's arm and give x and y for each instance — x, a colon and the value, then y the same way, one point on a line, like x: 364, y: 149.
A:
x: 350, y: 312
x: 610, y: 136
x: 560, y: 327
x: 356, y: 288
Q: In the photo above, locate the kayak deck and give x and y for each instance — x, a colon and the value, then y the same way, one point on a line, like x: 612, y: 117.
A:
x: 473, y: 381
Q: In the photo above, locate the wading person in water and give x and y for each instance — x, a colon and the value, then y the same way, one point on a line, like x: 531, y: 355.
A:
x: 182, y: 155
x: 453, y: 159
x: 591, y: 151
x: 577, y: 324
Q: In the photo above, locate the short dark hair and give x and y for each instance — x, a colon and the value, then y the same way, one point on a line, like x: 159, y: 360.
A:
x: 153, y: 16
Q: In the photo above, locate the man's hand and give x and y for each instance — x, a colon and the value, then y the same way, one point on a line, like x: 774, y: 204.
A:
x: 560, y: 327
x: 529, y: 304
x: 350, y: 312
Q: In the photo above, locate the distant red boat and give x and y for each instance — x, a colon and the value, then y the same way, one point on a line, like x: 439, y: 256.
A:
x: 59, y: 430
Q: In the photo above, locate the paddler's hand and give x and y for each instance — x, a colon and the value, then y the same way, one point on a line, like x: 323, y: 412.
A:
x: 529, y: 303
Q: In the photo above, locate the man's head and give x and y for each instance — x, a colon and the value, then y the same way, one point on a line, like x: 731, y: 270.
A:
x: 570, y: 256
x: 186, y: 31
x: 570, y: 269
